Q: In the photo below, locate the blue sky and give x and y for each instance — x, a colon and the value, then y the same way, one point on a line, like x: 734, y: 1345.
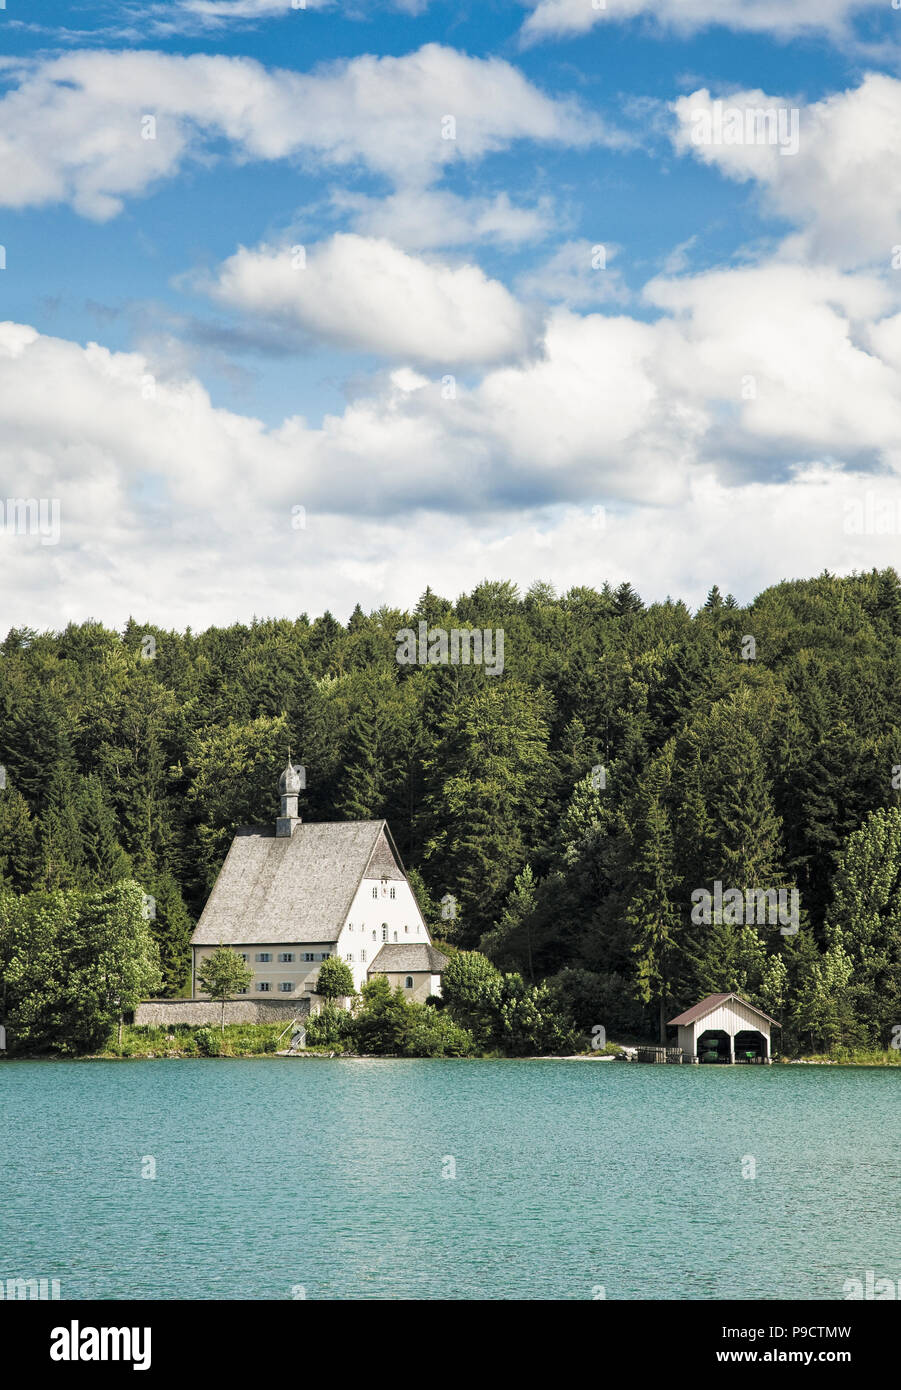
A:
x: 730, y: 375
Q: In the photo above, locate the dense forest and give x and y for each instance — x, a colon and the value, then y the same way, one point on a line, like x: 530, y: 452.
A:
x: 627, y: 756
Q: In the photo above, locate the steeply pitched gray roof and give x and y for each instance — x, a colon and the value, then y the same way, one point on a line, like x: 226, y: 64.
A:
x: 418, y: 955
x: 294, y: 888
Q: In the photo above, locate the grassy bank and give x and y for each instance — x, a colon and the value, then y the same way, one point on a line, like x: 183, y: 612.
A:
x: 848, y: 1057
x: 183, y: 1040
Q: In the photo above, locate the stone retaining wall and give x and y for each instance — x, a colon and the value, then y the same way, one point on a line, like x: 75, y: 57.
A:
x: 167, y: 1012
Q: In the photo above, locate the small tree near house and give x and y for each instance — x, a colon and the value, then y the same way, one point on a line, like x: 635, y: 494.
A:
x: 222, y: 974
x: 336, y: 979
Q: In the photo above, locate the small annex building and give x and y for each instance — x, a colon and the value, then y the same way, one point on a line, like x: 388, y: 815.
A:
x: 725, y: 1028
x: 291, y: 895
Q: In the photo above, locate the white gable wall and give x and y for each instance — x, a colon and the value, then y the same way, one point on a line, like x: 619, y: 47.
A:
x: 369, y: 915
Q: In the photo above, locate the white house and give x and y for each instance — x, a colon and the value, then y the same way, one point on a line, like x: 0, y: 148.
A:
x: 289, y: 896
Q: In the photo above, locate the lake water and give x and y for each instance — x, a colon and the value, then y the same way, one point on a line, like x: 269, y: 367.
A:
x: 329, y: 1177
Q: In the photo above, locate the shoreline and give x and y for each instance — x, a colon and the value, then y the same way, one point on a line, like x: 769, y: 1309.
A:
x: 176, y: 1055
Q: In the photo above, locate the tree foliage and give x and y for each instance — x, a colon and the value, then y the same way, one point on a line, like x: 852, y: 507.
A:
x: 128, y: 759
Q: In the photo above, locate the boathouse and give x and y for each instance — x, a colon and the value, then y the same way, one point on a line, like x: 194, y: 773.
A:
x: 725, y: 1028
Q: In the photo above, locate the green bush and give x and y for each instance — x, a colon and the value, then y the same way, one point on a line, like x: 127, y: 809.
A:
x: 209, y: 1044
x: 390, y: 1026
x: 433, y: 1034
x: 331, y: 1027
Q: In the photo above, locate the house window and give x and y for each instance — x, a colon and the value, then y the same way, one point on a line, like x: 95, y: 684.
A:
x: 263, y: 956
x: 406, y: 928
x: 362, y: 955
x: 373, y: 935
x: 263, y: 986
x: 308, y: 955
x: 408, y: 982
x: 240, y: 991
x: 375, y: 892
x: 395, y: 936
x: 350, y: 955
x: 244, y: 956
x: 325, y: 955
x: 285, y: 987
x: 392, y: 894
x: 350, y: 926
x: 286, y: 957
x: 384, y: 931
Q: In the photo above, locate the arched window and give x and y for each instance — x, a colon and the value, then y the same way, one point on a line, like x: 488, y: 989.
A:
x: 384, y: 931
x: 408, y: 982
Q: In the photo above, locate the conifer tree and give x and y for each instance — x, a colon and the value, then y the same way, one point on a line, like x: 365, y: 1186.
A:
x: 17, y: 840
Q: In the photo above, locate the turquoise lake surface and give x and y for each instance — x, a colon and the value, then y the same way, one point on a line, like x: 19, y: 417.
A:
x: 279, y: 1179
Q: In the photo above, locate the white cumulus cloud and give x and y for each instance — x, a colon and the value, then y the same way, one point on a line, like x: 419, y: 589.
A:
x: 840, y: 189
x: 75, y: 128
x: 365, y: 293
x: 784, y: 18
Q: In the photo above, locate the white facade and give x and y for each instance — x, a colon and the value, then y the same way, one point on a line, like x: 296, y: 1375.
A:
x: 384, y: 912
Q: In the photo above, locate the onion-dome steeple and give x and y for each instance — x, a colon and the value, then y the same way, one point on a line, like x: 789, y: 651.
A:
x: 290, y: 784
x: 291, y: 781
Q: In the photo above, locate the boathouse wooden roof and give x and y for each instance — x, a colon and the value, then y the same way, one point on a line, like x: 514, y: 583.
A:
x: 712, y: 1002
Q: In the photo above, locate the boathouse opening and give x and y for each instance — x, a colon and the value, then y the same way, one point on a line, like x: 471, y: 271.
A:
x: 713, y: 1046
x: 750, y: 1046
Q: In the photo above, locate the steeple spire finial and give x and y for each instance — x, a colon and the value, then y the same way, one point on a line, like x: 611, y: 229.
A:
x: 290, y: 784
